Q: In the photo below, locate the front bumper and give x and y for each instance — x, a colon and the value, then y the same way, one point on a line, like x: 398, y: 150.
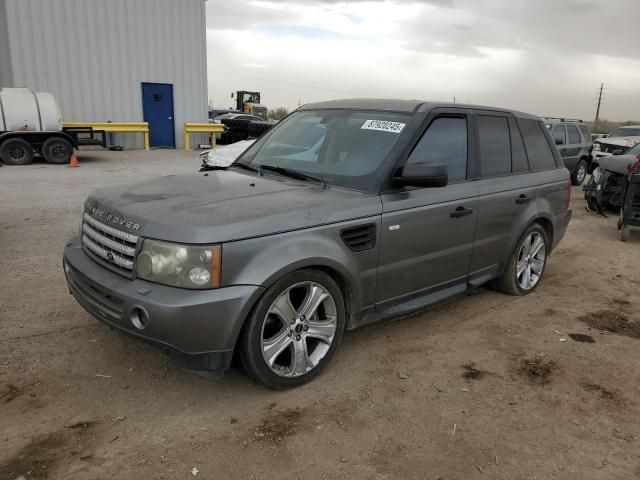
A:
x: 198, y: 328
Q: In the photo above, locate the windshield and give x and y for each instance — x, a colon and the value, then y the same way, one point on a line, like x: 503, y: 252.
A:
x: 635, y: 150
x: 625, y: 132
x: 343, y: 147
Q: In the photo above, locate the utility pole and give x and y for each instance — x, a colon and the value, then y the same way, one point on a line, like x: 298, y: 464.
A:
x: 599, y: 102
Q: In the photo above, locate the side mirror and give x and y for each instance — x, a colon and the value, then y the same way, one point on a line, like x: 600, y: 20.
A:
x: 559, y: 141
x: 422, y: 175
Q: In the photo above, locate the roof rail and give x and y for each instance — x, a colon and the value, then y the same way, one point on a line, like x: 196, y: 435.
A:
x: 576, y: 120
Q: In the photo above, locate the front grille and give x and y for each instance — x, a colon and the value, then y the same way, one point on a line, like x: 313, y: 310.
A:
x: 109, y: 245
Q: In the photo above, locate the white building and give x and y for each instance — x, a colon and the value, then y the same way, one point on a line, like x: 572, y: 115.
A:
x: 111, y: 60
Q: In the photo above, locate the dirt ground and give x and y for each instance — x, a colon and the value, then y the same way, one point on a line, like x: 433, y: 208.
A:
x: 485, y: 386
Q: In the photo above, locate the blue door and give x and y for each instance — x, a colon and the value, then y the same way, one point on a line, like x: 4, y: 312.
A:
x: 157, y: 109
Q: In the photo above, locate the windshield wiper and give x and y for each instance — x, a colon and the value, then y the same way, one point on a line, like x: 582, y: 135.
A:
x: 246, y: 166
x: 289, y: 172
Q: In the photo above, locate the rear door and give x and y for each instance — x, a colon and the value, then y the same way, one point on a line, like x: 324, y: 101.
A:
x: 506, y: 192
x: 427, y: 233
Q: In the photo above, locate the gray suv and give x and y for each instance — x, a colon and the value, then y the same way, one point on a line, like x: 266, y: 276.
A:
x: 345, y: 213
x: 574, y: 143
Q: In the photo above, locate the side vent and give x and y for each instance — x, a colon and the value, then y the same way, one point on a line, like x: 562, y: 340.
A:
x: 360, y: 238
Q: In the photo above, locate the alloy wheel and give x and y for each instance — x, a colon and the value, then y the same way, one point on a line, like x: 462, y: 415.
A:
x: 581, y: 173
x: 531, y: 259
x: 299, y: 328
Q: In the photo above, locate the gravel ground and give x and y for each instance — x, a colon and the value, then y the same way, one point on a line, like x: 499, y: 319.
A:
x: 485, y: 386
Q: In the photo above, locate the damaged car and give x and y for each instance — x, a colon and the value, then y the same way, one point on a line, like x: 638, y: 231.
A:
x: 618, y: 142
x: 605, y: 189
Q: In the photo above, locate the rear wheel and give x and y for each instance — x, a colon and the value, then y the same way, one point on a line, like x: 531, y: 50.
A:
x: 294, y: 330
x: 56, y: 150
x: 16, y: 151
x: 526, y: 265
x: 579, y: 173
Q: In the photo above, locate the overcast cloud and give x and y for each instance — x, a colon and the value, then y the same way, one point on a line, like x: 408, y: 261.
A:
x: 542, y: 56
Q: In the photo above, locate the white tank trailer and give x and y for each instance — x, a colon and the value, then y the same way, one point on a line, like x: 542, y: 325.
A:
x: 31, y: 123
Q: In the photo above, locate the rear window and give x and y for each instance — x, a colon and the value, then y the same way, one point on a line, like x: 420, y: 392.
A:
x: 585, y: 132
x: 573, y: 137
x: 495, y: 148
x: 538, y: 149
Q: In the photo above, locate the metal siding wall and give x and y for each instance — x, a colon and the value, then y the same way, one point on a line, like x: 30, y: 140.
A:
x: 6, y: 73
x: 93, y: 55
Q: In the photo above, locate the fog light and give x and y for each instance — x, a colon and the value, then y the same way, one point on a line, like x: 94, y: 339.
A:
x: 139, y: 318
x: 199, y: 276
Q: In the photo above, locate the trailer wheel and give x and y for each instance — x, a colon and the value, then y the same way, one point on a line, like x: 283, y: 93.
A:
x: 16, y: 151
x: 56, y: 150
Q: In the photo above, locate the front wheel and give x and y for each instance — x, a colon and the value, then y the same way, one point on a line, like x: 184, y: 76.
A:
x: 579, y: 173
x: 526, y: 264
x: 294, y: 330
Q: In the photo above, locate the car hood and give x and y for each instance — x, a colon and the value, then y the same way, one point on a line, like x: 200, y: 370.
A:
x: 619, y: 141
x: 222, y: 206
x: 617, y: 163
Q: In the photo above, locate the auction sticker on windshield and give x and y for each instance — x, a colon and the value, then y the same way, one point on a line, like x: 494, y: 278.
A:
x: 383, y: 125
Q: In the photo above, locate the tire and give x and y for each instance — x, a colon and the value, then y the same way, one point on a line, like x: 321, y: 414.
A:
x: 56, y: 150
x: 515, y: 284
x: 16, y: 151
x: 579, y: 173
x: 281, y: 354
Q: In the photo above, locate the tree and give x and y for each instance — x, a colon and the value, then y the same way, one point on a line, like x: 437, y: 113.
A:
x: 278, y: 113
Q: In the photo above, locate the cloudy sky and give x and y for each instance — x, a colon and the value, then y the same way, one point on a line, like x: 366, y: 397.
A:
x: 546, y: 57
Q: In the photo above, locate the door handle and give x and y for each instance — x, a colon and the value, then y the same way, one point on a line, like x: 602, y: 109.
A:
x: 461, y: 212
x: 522, y: 199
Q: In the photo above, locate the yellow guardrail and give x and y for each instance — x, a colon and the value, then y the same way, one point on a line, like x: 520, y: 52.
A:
x: 210, y: 128
x: 122, y: 127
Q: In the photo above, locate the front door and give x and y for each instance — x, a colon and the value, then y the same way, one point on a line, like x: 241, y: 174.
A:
x: 157, y: 108
x: 427, y: 233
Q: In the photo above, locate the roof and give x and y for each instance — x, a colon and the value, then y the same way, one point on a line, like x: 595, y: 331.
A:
x: 403, y: 106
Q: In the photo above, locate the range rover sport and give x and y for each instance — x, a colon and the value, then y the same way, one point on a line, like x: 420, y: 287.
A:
x: 346, y: 212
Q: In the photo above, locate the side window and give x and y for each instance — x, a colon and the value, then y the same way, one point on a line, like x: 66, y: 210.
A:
x: 519, y: 162
x: 445, y: 141
x: 495, y: 148
x: 558, y: 134
x: 573, y: 136
x: 538, y: 148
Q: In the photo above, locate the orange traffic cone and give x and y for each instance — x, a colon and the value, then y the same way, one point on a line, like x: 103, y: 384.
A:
x: 74, y: 161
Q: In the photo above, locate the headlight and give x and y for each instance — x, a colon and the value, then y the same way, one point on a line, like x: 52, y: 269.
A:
x: 597, y: 173
x: 596, y: 147
x: 185, y: 266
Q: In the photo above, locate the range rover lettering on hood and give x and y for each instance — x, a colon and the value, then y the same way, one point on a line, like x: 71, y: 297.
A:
x: 96, y: 212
